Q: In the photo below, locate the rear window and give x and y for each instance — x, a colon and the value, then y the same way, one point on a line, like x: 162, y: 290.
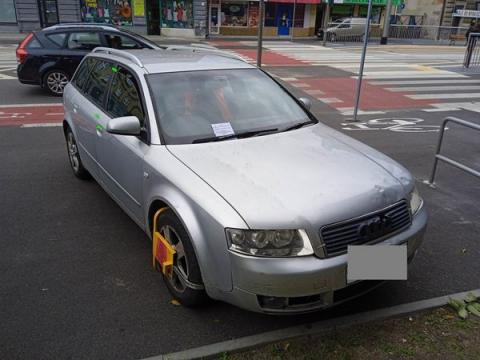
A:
x: 34, y: 44
x: 58, y: 38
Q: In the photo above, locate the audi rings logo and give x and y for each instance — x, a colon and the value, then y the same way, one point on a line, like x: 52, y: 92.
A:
x: 374, y: 228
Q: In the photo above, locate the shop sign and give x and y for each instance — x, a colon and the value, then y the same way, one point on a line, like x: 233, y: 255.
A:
x: 118, y: 12
x: 139, y: 7
x: 467, y: 13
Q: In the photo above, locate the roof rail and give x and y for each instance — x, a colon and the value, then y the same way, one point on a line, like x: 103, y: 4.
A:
x: 119, y: 53
x: 194, y: 48
x: 66, y: 25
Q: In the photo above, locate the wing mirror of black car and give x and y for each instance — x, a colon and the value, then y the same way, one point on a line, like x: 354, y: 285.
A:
x: 305, y: 102
x: 125, y: 125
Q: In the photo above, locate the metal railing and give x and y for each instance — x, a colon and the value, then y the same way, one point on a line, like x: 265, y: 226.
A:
x: 452, y: 162
x: 428, y: 33
x: 472, y: 53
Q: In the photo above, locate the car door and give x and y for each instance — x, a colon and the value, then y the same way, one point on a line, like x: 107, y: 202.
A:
x: 120, y: 157
x: 90, y: 111
x: 77, y: 45
x: 83, y: 128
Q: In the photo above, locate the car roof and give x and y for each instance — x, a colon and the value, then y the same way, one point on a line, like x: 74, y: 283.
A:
x: 175, y: 60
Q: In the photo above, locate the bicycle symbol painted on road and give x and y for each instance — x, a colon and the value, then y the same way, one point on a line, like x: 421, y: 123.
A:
x: 13, y: 115
x: 408, y: 125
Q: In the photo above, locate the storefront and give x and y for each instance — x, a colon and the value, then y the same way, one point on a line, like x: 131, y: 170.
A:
x: 359, y: 8
x: 236, y: 17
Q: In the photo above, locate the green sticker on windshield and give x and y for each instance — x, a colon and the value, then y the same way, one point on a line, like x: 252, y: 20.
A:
x: 114, y: 69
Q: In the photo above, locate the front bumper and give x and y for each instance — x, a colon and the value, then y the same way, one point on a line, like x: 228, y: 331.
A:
x: 310, y: 283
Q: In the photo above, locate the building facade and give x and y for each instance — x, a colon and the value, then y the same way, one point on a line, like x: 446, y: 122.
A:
x: 185, y: 18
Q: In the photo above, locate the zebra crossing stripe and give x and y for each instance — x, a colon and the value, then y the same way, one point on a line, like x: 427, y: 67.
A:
x: 422, y: 82
x: 434, y: 88
x: 444, y: 96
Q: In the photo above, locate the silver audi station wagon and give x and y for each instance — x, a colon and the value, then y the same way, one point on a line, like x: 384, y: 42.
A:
x: 257, y: 202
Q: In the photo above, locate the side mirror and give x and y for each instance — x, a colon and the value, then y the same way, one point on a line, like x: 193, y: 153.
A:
x: 125, y: 125
x: 305, y: 102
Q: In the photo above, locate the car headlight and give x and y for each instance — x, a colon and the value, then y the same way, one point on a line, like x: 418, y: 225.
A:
x: 415, y: 201
x: 269, y: 243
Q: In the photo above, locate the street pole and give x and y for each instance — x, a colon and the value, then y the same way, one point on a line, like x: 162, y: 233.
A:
x: 325, y: 23
x: 260, y: 32
x: 386, y: 25
x: 293, y: 20
x: 362, y: 61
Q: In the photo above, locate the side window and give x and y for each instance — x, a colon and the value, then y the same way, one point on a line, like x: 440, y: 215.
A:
x: 117, y: 41
x: 124, y: 97
x: 81, y: 75
x: 83, y: 41
x: 57, y: 38
x: 97, y: 86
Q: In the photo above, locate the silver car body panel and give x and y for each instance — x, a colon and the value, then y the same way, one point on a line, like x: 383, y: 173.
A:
x: 303, y: 178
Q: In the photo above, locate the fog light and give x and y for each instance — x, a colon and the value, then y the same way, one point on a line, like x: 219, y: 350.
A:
x: 273, y: 302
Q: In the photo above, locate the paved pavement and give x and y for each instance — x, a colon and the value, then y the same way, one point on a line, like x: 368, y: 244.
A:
x: 75, y: 274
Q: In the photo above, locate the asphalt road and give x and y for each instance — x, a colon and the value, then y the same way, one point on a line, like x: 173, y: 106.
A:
x: 75, y: 271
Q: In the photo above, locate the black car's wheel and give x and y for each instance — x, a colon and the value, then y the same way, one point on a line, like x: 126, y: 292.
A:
x: 186, y: 284
x: 74, y: 156
x: 55, y: 81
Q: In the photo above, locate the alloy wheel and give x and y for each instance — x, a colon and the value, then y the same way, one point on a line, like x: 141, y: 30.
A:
x: 73, y: 152
x: 180, y: 265
x: 56, y: 82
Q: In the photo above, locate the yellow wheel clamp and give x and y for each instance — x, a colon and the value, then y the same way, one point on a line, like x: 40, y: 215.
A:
x: 162, y: 251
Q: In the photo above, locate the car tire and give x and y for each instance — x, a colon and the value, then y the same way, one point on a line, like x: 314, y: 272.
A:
x: 74, y: 156
x: 54, y: 81
x: 185, y: 262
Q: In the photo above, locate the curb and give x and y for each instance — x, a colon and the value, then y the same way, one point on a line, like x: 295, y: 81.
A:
x: 316, y: 328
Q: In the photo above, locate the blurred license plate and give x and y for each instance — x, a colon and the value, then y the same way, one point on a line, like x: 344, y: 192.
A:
x: 377, y: 262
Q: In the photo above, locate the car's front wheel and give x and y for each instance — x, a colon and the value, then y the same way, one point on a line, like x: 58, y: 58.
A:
x: 55, y: 81
x: 186, y: 284
x: 74, y: 156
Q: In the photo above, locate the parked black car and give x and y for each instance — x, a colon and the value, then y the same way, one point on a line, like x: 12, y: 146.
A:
x: 50, y: 57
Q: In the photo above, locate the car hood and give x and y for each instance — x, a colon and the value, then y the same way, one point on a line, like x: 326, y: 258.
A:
x: 297, y: 178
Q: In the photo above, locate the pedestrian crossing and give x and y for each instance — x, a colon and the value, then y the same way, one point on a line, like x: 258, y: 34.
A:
x: 412, y: 77
x: 8, y: 63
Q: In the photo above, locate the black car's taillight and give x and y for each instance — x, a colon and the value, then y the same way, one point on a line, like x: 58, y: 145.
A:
x: 22, y: 49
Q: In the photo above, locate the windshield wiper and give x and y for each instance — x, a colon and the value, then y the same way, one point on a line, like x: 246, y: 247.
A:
x: 235, y: 136
x: 299, y: 125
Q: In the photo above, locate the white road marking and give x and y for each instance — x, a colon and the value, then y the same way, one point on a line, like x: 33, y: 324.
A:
x: 41, y: 125
x: 29, y: 105
x: 426, y: 82
x: 434, y: 88
x: 444, y: 96
x: 330, y: 100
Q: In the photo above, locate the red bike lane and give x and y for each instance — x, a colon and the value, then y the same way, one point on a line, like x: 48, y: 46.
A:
x: 31, y: 114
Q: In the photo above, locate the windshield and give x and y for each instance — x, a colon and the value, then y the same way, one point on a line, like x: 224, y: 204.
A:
x: 197, y: 105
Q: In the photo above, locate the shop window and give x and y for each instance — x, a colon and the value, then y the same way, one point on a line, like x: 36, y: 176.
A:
x: 376, y: 13
x: 118, y: 12
x: 299, y: 15
x: 341, y: 11
x: 270, y: 11
x: 234, y: 14
x: 253, y: 12
x: 7, y: 12
x: 177, y: 14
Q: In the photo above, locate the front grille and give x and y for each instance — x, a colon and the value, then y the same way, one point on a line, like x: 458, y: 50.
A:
x: 365, y: 229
